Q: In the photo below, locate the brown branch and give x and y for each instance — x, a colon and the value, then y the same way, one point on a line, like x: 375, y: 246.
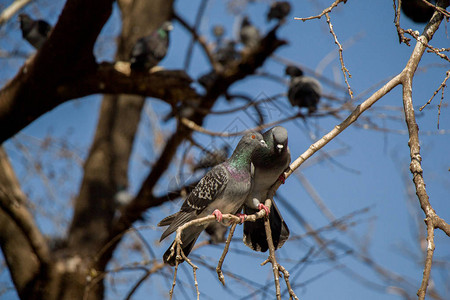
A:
x: 400, y: 30
x: 225, y: 251
x: 432, y: 219
x: 66, y: 55
x: 200, y: 39
x: 435, y: 7
x: 442, y: 86
x: 13, y: 205
x: 169, y: 85
x: 272, y: 258
x: 195, y: 127
x: 344, y: 69
x: 198, y: 19
x: 325, y: 11
x: 12, y: 9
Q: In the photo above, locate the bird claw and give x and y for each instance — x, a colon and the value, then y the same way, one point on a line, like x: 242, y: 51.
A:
x: 282, y: 178
x: 242, y: 217
x: 218, y: 214
x: 262, y: 206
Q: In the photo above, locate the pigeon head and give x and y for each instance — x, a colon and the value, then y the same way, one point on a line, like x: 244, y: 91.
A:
x: 280, y: 138
x: 25, y: 22
x: 293, y: 71
x: 248, y: 145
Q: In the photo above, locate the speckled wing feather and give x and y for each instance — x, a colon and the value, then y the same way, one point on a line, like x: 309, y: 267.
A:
x: 209, y: 188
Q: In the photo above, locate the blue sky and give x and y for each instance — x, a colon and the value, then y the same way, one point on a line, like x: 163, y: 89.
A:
x: 366, y: 172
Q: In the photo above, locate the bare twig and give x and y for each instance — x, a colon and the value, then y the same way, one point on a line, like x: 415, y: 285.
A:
x: 201, y: 40
x: 225, y: 251
x: 191, y: 125
x: 272, y: 258
x: 12, y: 9
x: 441, y: 87
x: 439, y: 9
x: 325, y: 11
x: 400, y: 30
x: 344, y: 69
x: 198, y: 19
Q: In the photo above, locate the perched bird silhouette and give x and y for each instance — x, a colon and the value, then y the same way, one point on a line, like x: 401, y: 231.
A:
x: 34, y: 32
x: 249, y: 34
x: 151, y: 49
x: 269, y: 166
x: 417, y: 11
x: 210, y: 159
x: 223, y: 189
x: 304, y: 91
x: 278, y: 10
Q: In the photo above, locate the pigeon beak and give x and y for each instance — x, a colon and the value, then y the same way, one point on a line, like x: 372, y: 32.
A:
x: 263, y: 143
x: 280, y: 147
x: 170, y: 27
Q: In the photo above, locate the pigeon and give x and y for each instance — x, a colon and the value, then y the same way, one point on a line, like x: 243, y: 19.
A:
x: 151, y: 49
x: 304, y: 91
x: 249, y: 34
x: 269, y: 165
x: 278, y: 10
x: 210, y: 159
x: 34, y: 32
x: 222, y: 190
x: 417, y: 11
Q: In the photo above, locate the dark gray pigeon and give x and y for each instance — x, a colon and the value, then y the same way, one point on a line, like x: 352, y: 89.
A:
x: 249, y: 34
x: 222, y: 190
x: 151, y: 49
x: 34, y: 32
x: 269, y: 164
x: 417, y: 11
x: 278, y: 10
x: 304, y: 91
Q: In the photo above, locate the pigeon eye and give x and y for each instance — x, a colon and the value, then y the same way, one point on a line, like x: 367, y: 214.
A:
x: 253, y: 136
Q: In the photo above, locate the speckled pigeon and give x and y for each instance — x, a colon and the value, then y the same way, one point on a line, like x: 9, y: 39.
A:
x: 249, y: 34
x: 304, y: 91
x: 269, y: 164
x: 222, y: 190
x: 278, y: 10
x: 151, y: 49
x: 34, y: 31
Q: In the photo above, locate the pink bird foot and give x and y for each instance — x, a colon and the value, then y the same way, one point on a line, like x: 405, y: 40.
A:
x: 282, y: 178
x: 242, y: 217
x: 262, y: 206
x: 218, y: 214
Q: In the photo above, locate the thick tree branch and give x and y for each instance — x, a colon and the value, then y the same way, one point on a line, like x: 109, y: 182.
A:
x: 170, y: 86
x: 23, y: 245
x: 66, y: 55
